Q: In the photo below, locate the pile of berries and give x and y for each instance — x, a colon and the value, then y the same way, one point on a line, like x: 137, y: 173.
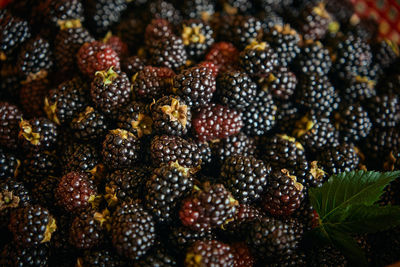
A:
x: 187, y: 133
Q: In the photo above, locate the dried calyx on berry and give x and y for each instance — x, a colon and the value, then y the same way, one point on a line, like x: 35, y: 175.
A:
x: 108, y: 76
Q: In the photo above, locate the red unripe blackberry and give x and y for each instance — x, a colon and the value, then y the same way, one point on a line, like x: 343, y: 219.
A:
x: 10, y: 116
x: 283, y: 195
x: 86, y: 230
x: 37, y: 134
x: 258, y: 59
x: 224, y: 55
x: 96, y: 56
x: 208, y: 208
x: 75, y: 192
x: 116, y: 44
x: 216, y: 122
x: 209, y: 253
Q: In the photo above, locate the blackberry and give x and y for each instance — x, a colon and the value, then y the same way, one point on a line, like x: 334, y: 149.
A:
x: 315, y: 21
x: 89, y: 125
x: 286, y: 116
x: 135, y: 118
x: 283, y: 195
x: 281, y: 83
x: 10, y: 84
x: 38, y: 166
x: 110, y: 90
x: 245, y: 30
x: 216, y: 121
x: 258, y: 59
x: 66, y: 101
x: 96, y: 56
x: 205, y: 153
x: 313, y: 57
x: 384, y: 110
x: 102, y: 14
x: 167, y: 149
x: 32, y: 225
x: 317, y: 94
x: 123, y: 185
x: 171, y: 116
x: 285, y: 42
x: 80, y: 157
x: 131, y: 30
x: 67, y: 42
x: 120, y: 149
x: 75, y: 192
x: 387, y: 84
x: 9, y: 165
x: 380, y: 142
x: 326, y: 256
x: 306, y: 216
x: 242, y: 255
x: 35, y: 58
x: 31, y: 97
x: 208, y: 208
x: 197, y: 37
x: 116, y: 44
x: 86, y: 231
x: 358, y: 89
x: 342, y: 158
x: 156, y: 30
x: 245, y: 177
x: 236, y: 89
x: 152, y: 82
x: 14, y: 32
x: 353, y: 122
x: 157, y: 256
x: 169, y: 52
x: 340, y: 10
x: 59, y: 11
x: 195, y: 86
x: 37, y: 134
x: 10, y: 116
x: 103, y: 257
x: 181, y: 237
x: 385, y: 53
x: 209, y: 253
x: 43, y: 191
x: 259, y: 118
x: 236, y: 6
x: 132, y: 230
x: 298, y: 258
x: 198, y: 9
x: 161, y: 9
x: 224, y: 55
x: 132, y: 65
x: 14, y: 255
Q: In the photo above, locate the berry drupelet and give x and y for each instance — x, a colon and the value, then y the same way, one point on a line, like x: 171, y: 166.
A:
x: 209, y: 253
x: 258, y: 59
x: 358, y: 89
x: 15, y: 255
x: 37, y: 134
x: 157, y: 256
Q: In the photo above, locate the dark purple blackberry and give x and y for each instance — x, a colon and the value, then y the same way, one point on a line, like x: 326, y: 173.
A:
x: 31, y: 225
x: 37, y: 134
x: 66, y: 101
x: 161, y: 9
x: 314, y: 21
x: 123, y: 185
x: 245, y: 30
x: 157, y: 256
x: 10, y: 84
x: 31, y: 97
x: 286, y: 116
x: 283, y: 195
x: 14, y: 255
x: 258, y: 59
x: 169, y: 52
x: 171, y: 116
x: 132, y: 65
x: 9, y: 165
x: 358, y: 89
x: 169, y: 149
x: 285, y: 42
x: 245, y: 177
x: 156, y: 30
x: 195, y: 86
x: 120, y: 149
x: 281, y: 83
x: 326, y: 256
x: 342, y: 158
x: 136, y: 119
x: 197, y: 37
x: 14, y: 32
x: 384, y: 110
x: 236, y: 89
x: 198, y: 9
x: 110, y: 90
x: 309, y: 174
x: 380, y: 142
x: 388, y: 84
x: 259, y: 117
x: 81, y: 157
x: 35, y: 58
x: 209, y: 253
x: 208, y: 208
x: 317, y: 95
x: 167, y: 185
x: 38, y: 166
x: 58, y: 11
x: 10, y: 116
x: 181, y: 237
x: 131, y: 29
x: 89, y: 125
x: 86, y: 230
x: 385, y: 53
x: 340, y: 10
x: 43, y: 191
x: 103, y: 257
x: 132, y: 230
x: 313, y: 57
x: 152, y: 82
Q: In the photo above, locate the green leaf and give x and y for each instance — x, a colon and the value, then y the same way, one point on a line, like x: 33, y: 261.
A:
x: 351, y: 188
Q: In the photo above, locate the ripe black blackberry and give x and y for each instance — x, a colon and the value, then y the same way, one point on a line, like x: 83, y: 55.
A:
x: 86, y: 230
x: 169, y: 52
x: 81, y: 158
x: 209, y: 253
x: 39, y: 165
x: 245, y: 177
x: 317, y: 95
x: 283, y: 195
x: 358, y: 89
x: 286, y: 116
x: 14, y: 32
x: 132, y: 230
x: 75, y: 192
x: 9, y: 165
x: 167, y: 149
x: 181, y: 237
x: 315, y: 20
x: 285, y: 42
x: 342, y: 158
x: 259, y: 117
x: 59, y: 11
x: 313, y: 57
x: 245, y: 30
x: 207, y: 208
x: 236, y: 89
x: 167, y: 185
x: 171, y: 116
x: 136, y: 119
x: 388, y: 84
x: 281, y: 83
x: 340, y: 10
x: 152, y: 82
x: 103, y: 257
x: 32, y: 225
x: 380, y: 142
x: 10, y: 84
x: 326, y: 256
x: 197, y: 37
x: 66, y: 101
x: 120, y: 149
x: 37, y: 134
x: 35, y: 58
x: 385, y: 53
x: 258, y: 59
x: 157, y: 256
x: 132, y: 65
x: 15, y: 255
x: 195, y: 86
x: 110, y: 90
x: 198, y: 9
x: 384, y: 110
x: 31, y: 97
x: 353, y: 122
x: 10, y: 116
x: 161, y: 9
x: 43, y: 191
x: 157, y: 29
x: 89, y: 125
